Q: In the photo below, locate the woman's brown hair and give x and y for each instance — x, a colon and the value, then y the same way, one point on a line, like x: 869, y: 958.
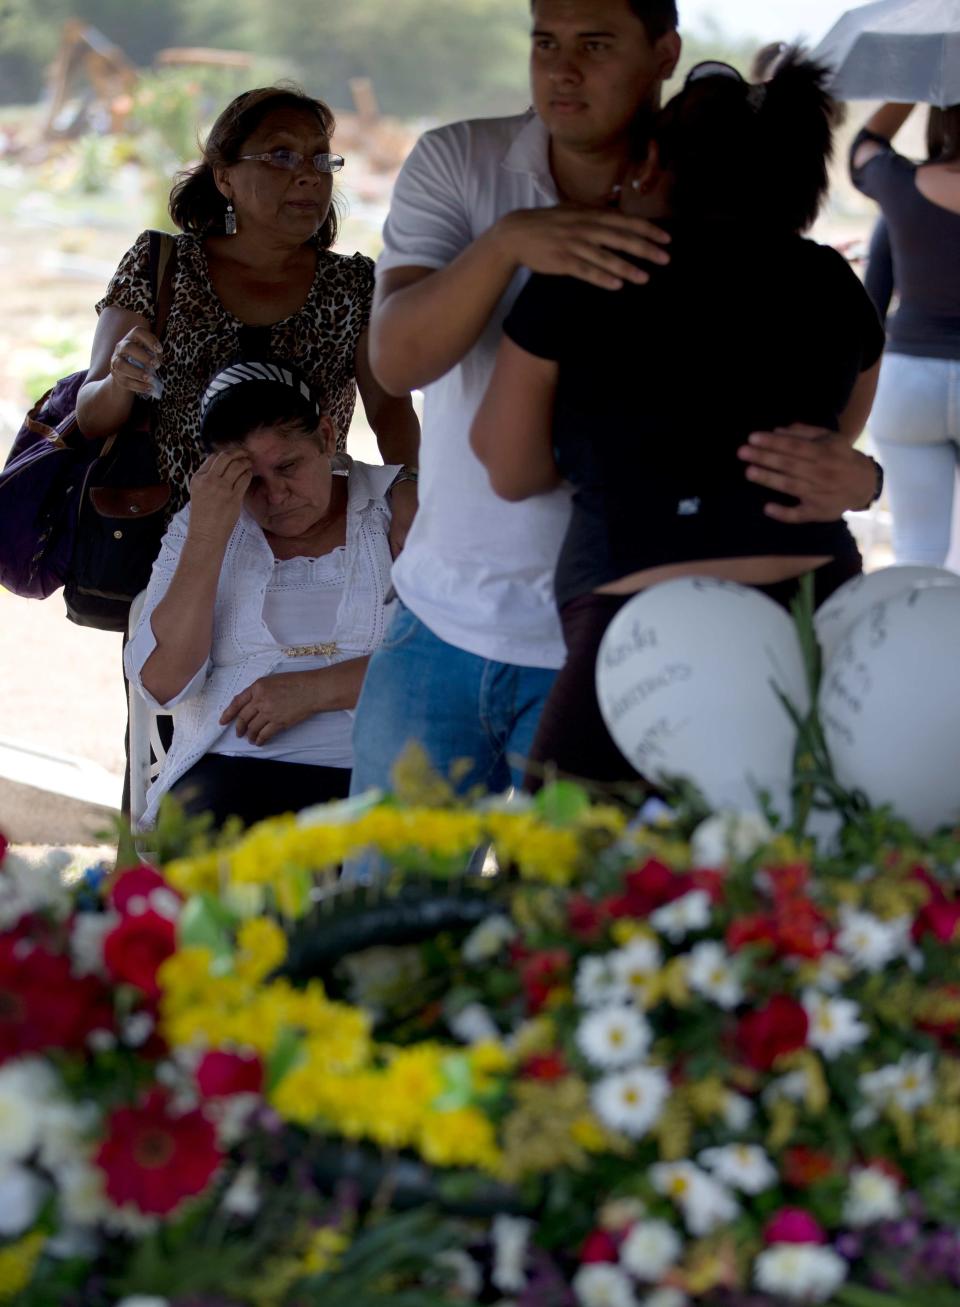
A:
x: 196, y: 205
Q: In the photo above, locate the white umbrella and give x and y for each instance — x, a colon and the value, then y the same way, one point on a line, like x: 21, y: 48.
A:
x: 906, y: 51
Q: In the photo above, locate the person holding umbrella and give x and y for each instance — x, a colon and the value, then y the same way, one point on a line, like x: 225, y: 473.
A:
x: 916, y: 421
x: 907, y: 52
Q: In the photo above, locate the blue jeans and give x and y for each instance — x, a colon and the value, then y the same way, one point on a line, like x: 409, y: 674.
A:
x: 916, y: 429
x: 458, y: 707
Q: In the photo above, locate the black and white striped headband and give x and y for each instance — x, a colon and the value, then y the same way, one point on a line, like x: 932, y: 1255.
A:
x: 238, y: 374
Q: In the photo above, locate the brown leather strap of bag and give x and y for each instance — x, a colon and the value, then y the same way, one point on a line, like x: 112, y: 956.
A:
x: 163, y: 267
x: 166, y: 267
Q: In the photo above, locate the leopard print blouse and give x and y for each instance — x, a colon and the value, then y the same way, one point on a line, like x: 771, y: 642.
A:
x: 201, y: 336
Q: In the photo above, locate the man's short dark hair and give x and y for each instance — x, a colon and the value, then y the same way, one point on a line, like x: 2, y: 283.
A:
x: 657, y: 16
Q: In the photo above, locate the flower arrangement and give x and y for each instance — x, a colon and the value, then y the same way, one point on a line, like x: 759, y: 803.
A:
x: 644, y: 1065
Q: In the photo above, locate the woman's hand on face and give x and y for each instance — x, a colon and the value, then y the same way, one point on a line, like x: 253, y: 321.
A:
x: 820, y: 468
x: 217, y: 489
x: 403, y: 509
x: 134, y: 361
x: 271, y: 705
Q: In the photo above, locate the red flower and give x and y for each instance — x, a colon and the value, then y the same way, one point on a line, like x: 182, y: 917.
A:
x: 710, y: 881
x: 787, y: 883
x: 42, y: 1004
x: 136, y: 884
x: 156, y: 1159
x: 544, y: 1066
x: 221, y: 1074
x: 599, y: 1246
x: 939, y: 918
x: 938, y: 1013
x: 585, y: 918
x: 4, y: 845
x: 540, y: 973
x: 802, y: 930
x: 803, y: 1167
x: 136, y: 947
x: 772, y: 1031
x: 796, y: 928
x: 649, y: 887
x: 758, y: 928
x: 793, y: 1225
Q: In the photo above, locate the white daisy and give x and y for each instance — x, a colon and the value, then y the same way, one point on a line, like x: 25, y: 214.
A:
x: 742, y: 1166
x: 21, y: 1193
x: 873, y: 1196
x: 466, y: 1274
x: 829, y: 973
x: 34, y: 885
x: 737, y: 1111
x: 792, y: 1086
x: 596, y: 983
x: 603, y: 1285
x: 908, y: 1083
x: 631, y: 1101
x: 488, y: 939
x: 243, y: 1197
x: 871, y: 943
x: 677, y: 919
x: 614, y: 1036
x: 835, y: 1025
x: 650, y: 1249
x: 89, y: 931
x: 511, y: 1241
x: 704, y: 1202
x: 620, y: 1213
x: 804, y: 1272
x: 729, y: 837
x: 635, y: 965
x: 712, y: 972
x: 473, y: 1024
x: 665, y: 1298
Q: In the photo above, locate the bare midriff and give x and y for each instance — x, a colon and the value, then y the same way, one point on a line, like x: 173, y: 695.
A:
x: 765, y: 570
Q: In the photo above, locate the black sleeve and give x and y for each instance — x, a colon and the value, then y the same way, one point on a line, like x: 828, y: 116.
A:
x: 846, y: 297
x: 540, y: 320
x: 878, y: 278
x: 880, y: 176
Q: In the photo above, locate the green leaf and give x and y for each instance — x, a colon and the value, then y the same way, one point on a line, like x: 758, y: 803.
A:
x: 457, y: 1082
x: 561, y: 803
x: 283, y: 1059
x: 206, y: 923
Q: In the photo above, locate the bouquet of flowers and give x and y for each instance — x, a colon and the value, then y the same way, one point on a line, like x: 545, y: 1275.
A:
x: 644, y: 1064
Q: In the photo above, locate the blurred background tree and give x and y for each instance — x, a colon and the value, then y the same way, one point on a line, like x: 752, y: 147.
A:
x: 424, y: 58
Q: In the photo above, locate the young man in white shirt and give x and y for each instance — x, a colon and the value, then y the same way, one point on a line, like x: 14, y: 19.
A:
x: 470, y: 656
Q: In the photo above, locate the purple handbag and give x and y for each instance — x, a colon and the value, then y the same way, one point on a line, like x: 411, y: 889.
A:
x: 51, y: 501
x: 40, y: 488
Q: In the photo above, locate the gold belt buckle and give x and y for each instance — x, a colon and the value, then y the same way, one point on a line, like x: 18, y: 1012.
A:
x: 309, y: 650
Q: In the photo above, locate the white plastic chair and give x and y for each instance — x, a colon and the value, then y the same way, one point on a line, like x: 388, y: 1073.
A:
x: 146, y: 748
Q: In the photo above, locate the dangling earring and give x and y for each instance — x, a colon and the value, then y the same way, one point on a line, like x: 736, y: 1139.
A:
x: 230, y: 221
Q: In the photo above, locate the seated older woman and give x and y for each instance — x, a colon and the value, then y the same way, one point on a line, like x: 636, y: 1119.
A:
x: 265, y: 604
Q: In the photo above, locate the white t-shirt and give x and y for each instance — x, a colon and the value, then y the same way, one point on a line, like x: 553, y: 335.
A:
x: 476, y: 570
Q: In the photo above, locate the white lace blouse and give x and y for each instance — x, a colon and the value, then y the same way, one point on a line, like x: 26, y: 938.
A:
x: 253, y: 635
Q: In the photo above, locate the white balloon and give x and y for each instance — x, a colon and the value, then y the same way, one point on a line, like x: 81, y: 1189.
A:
x: 836, y: 618
x: 890, y: 706
x: 685, y: 678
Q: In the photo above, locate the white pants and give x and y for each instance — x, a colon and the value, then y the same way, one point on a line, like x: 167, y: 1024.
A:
x: 916, y: 428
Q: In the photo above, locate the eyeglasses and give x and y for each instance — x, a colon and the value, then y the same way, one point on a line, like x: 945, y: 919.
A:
x: 711, y: 68
x: 293, y: 160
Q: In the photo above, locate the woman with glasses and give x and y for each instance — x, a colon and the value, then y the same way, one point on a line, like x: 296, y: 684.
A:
x: 255, y: 274
x: 652, y: 399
